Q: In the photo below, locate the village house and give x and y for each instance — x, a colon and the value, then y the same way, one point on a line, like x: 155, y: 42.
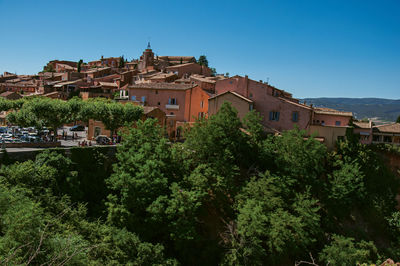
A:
x: 7, y: 76
x: 242, y: 104
x: 364, y: 130
x: 105, y: 62
x: 188, y: 69
x: 101, y: 89
x: 97, y: 73
x: 278, y: 109
x: 53, y: 63
x: 388, y: 134
x: 180, y: 102
x: 10, y: 95
x: 60, y: 68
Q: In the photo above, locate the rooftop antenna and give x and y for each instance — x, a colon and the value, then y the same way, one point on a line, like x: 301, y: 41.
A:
x: 268, y: 80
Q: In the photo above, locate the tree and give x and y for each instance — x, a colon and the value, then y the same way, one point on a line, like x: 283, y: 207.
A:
x: 48, y: 68
x: 121, y: 62
x: 345, y: 251
x: 202, y: 60
x: 398, y: 119
x: 115, y: 115
x: 297, y: 159
x: 143, y: 173
x: 220, y: 136
x: 40, y: 112
x: 80, y: 65
x: 271, y: 225
x: 213, y: 71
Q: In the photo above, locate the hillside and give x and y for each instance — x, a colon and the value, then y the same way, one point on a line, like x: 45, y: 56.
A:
x: 376, y: 108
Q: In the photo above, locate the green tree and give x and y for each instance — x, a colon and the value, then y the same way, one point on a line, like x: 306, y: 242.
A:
x: 41, y: 112
x: 48, y: 68
x: 398, y: 119
x: 143, y: 173
x: 345, y: 251
x: 121, y: 62
x: 220, y: 143
x: 271, y: 226
x: 80, y: 65
x: 202, y: 60
x: 115, y: 115
x: 213, y: 71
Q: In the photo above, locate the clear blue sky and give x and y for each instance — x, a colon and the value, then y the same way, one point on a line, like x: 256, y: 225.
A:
x: 311, y: 48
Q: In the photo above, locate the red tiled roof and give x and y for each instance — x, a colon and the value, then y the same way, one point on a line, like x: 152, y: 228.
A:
x: 294, y: 103
x: 388, y: 128
x: 162, y: 86
x: 329, y: 111
x: 365, y: 125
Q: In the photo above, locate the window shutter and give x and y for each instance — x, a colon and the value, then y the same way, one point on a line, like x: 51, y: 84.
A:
x: 271, y: 115
x: 169, y: 100
x: 277, y: 116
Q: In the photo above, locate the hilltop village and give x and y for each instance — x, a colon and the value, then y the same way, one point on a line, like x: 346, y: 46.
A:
x: 178, y: 90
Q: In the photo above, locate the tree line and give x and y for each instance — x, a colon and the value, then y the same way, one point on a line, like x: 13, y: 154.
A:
x: 229, y: 195
x: 42, y: 112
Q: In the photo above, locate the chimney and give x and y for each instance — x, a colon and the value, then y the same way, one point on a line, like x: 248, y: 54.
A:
x: 246, y: 81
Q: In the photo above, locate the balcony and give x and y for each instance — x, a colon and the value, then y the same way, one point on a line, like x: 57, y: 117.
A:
x: 172, y: 107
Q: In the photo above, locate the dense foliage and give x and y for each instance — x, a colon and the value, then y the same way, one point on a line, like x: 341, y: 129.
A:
x: 228, y: 195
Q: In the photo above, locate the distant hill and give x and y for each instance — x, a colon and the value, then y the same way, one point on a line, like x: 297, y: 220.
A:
x: 374, y: 108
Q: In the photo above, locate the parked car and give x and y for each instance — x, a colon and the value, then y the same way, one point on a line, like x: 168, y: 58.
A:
x: 103, y: 140
x: 77, y: 128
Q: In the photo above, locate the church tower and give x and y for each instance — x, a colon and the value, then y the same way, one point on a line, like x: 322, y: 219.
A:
x: 147, y: 58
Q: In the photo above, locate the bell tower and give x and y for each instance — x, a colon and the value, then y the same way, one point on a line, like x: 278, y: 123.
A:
x: 147, y: 58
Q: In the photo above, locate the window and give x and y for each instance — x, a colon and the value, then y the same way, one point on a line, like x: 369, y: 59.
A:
x: 387, y: 138
x: 201, y: 104
x: 172, y: 113
x: 143, y: 99
x: 201, y: 115
x: 251, y: 95
x: 274, y: 116
x: 158, y: 103
x: 323, y: 122
x: 376, y: 138
x: 156, y: 91
x: 172, y: 101
x: 337, y: 123
x: 133, y: 98
x: 97, y: 131
x: 295, y: 116
x: 250, y: 107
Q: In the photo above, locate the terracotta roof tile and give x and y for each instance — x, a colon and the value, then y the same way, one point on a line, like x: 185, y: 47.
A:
x: 162, y: 86
x: 388, y: 128
x: 329, y: 111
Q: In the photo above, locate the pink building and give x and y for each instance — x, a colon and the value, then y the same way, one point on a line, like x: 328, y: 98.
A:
x: 188, y: 69
x: 331, y: 117
x: 279, y: 110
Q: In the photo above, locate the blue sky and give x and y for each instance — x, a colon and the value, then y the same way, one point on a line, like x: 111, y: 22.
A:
x: 307, y: 47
